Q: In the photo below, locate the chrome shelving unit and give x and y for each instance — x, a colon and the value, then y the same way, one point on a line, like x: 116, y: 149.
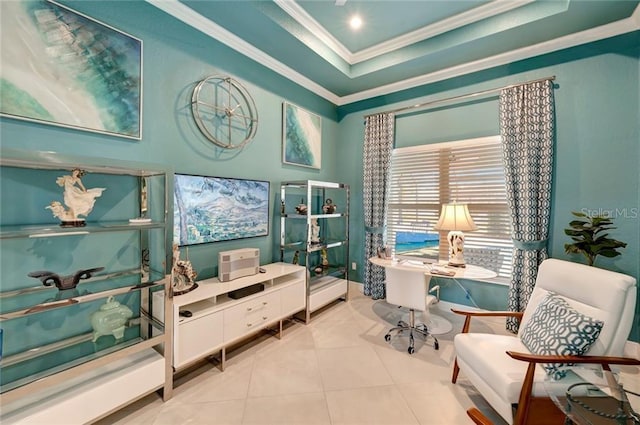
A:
x: 47, y: 336
x: 325, y: 282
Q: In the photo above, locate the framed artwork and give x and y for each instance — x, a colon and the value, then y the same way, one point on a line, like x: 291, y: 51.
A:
x: 301, y: 137
x: 63, y: 68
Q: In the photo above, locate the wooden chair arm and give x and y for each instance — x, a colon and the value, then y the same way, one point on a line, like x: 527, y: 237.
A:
x: 602, y: 360
x: 469, y: 314
x: 517, y: 314
x: 477, y: 417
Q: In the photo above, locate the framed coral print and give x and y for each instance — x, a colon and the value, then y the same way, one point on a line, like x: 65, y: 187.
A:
x: 63, y: 68
x: 301, y: 137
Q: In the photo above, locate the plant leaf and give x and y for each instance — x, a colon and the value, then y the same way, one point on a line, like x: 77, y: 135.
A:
x: 590, y: 237
x: 609, y: 253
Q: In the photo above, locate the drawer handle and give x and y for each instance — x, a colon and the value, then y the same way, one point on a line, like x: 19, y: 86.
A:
x: 264, y: 303
x: 264, y: 317
x: 249, y: 325
x: 249, y: 308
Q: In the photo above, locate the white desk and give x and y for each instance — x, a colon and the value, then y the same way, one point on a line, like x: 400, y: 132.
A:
x: 441, y: 325
x: 469, y: 272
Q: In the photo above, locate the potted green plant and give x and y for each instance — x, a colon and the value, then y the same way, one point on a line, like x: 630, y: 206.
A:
x: 589, y: 239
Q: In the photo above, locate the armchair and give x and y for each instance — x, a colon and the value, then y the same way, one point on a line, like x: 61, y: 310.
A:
x: 505, y: 371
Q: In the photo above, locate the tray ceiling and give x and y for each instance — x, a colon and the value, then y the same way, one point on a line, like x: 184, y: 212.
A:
x: 401, y: 44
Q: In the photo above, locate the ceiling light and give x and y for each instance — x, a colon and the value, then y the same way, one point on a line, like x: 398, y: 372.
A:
x: 355, y: 22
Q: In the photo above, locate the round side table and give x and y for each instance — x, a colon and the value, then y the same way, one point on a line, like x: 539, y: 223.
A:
x: 594, y: 397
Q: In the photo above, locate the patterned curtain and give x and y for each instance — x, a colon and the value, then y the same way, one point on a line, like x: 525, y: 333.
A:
x: 378, y: 144
x: 527, y: 129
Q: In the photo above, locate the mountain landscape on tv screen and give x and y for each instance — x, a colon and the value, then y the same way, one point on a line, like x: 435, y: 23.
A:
x: 212, y: 209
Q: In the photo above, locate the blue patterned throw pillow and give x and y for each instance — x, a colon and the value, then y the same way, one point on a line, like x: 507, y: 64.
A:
x: 556, y: 328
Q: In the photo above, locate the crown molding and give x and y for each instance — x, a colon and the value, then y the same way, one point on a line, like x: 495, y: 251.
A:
x: 622, y: 26
x: 451, y: 23
x: 199, y: 22
x: 494, y: 8
x: 301, y: 16
x: 206, y: 26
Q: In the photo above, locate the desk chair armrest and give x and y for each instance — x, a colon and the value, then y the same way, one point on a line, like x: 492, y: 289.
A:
x: 534, y: 359
x: 469, y: 314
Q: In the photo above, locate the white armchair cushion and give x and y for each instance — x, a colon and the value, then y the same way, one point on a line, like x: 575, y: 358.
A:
x: 558, y: 329
x: 487, y: 362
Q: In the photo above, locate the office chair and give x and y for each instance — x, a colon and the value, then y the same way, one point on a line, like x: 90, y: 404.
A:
x: 406, y: 288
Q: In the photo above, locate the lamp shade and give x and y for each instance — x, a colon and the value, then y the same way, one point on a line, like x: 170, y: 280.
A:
x: 455, y: 217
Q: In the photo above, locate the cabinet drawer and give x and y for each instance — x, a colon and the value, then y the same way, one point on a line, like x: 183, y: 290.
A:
x: 247, y: 316
x: 197, y: 337
x: 293, y: 298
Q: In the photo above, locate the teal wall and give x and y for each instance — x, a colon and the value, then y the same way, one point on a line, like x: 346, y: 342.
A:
x: 176, y: 57
x: 597, y: 144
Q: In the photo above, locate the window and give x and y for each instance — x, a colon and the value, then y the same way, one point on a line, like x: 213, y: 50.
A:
x: 425, y: 177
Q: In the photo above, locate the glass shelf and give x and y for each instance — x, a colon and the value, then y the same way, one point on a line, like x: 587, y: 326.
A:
x: 314, y: 184
x: 54, y: 230
x: 78, y: 299
x: 301, y: 246
x: 42, y: 160
x: 304, y: 216
x: 331, y: 272
x: 40, y: 362
x: 42, y: 288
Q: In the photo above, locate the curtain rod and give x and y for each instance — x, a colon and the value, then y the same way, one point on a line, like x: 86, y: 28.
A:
x: 462, y: 96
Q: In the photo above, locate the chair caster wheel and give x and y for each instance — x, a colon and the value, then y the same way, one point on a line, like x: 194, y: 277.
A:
x: 387, y: 337
x: 436, y: 345
x: 411, y: 350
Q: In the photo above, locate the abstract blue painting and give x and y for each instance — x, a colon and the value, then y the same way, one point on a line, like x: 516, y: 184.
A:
x: 63, y: 68
x: 302, y: 137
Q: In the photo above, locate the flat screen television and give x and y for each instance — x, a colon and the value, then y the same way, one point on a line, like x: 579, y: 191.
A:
x: 212, y: 209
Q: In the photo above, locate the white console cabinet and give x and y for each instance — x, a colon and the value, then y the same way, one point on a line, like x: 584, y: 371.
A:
x: 217, y: 320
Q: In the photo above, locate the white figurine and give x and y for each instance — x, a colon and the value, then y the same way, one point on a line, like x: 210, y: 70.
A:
x: 456, y: 248
x: 60, y: 212
x: 315, y: 231
x: 78, y: 200
x: 182, y: 274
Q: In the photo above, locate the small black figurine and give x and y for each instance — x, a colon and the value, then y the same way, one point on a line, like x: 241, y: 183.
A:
x: 63, y: 282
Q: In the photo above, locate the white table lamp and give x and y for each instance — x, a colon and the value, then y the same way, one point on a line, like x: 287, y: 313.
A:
x: 455, y: 218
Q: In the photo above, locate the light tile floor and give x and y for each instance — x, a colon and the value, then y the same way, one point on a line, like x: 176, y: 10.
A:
x: 336, y: 370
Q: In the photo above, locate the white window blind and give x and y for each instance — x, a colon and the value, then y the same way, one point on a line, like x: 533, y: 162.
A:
x: 424, y: 177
